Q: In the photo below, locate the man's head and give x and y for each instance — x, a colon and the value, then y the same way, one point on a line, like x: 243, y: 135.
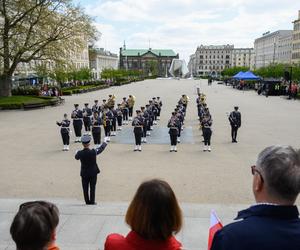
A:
x: 76, y: 106
x: 86, y: 104
x: 96, y: 101
x: 65, y: 116
x: 277, y: 175
x: 33, y: 227
x: 236, y: 108
x: 85, y: 140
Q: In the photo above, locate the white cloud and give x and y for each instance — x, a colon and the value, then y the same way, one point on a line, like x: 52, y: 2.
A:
x: 183, y: 24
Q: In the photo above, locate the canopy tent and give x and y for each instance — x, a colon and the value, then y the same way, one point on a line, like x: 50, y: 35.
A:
x: 246, y: 76
x: 239, y: 75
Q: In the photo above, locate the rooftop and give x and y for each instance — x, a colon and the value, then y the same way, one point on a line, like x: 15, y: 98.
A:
x: 140, y: 52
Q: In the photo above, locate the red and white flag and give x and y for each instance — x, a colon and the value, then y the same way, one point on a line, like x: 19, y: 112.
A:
x: 215, y: 225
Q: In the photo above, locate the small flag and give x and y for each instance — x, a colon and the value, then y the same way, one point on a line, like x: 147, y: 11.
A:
x: 215, y: 225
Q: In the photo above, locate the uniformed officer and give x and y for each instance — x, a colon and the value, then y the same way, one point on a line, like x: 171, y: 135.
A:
x: 89, y: 168
x: 65, y: 132
x: 149, y: 120
x: 206, y: 128
x: 111, y: 101
x: 124, y: 107
x: 77, y: 122
x: 96, y: 107
x: 87, y: 114
x: 113, y: 121
x: 235, y: 123
x: 108, y: 116
x: 180, y: 117
x: 138, y: 123
x: 159, y: 107
x: 96, y: 129
x: 130, y: 102
x: 103, y: 105
x: 146, y: 117
x: 173, y: 125
x: 119, y: 116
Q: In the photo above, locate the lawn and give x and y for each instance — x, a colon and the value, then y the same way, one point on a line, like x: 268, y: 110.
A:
x: 16, y: 102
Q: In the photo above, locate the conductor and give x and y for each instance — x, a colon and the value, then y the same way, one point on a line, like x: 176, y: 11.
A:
x: 89, y: 168
x: 235, y: 123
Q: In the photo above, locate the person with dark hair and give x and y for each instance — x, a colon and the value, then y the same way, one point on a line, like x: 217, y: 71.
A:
x: 145, y: 115
x: 124, y: 107
x: 65, y: 132
x: 154, y: 216
x: 119, y: 116
x: 89, y: 168
x: 34, y: 226
x: 273, y: 222
x: 235, y: 123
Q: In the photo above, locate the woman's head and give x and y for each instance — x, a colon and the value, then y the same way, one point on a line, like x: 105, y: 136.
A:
x: 154, y: 212
x: 33, y: 227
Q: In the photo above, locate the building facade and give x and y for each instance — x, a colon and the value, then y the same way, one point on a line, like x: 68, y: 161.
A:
x: 147, y: 60
x: 242, y: 57
x: 101, y: 59
x: 275, y: 47
x: 296, y: 41
x: 211, y: 60
x: 192, y: 65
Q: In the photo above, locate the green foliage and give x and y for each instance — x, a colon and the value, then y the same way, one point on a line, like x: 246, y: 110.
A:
x: 26, y: 91
x: 120, y: 75
x: 152, y: 67
x: 233, y: 71
x: 17, y: 102
x: 277, y: 71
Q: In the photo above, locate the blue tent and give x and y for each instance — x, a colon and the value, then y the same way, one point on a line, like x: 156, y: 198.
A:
x: 239, y: 75
x: 249, y: 76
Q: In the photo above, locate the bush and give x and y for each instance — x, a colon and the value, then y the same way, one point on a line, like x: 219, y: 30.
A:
x: 28, y: 91
x: 67, y: 92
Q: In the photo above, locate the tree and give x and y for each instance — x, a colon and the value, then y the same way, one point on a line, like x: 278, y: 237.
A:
x: 39, y: 30
x: 233, y: 71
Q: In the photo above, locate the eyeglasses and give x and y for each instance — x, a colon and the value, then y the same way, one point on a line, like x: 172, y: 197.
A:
x: 254, y: 170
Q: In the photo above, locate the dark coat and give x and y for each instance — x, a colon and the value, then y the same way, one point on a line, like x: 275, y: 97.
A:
x: 88, y: 159
x: 263, y: 227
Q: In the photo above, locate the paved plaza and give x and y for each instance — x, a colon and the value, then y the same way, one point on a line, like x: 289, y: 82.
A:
x: 33, y: 165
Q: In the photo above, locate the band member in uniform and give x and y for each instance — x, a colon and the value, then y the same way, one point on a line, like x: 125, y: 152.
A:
x: 89, y: 168
x: 159, y: 107
x: 180, y: 118
x: 131, y: 102
x: 152, y: 112
x: 96, y: 129
x: 111, y: 101
x: 87, y: 114
x: 149, y: 120
x: 146, y: 117
x: 235, y: 123
x: 108, y: 117
x: 96, y: 107
x: 173, y: 126
x: 124, y: 107
x: 65, y: 132
x: 113, y: 122
x: 207, y: 132
x: 138, y: 123
x: 119, y: 116
x: 77, y: 122
x: 155, y: 107
x: 103, y: 105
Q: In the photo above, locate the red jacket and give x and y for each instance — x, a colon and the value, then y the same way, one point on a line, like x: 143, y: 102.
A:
x: 135, y: 242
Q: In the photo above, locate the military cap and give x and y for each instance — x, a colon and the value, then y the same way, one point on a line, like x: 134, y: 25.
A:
x: 85, y: 139
x: 76, y: 105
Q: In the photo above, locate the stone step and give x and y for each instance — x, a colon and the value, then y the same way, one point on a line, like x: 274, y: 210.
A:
x: 86, y: 227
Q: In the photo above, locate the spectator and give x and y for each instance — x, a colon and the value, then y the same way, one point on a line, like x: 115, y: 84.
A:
x: 273, y: 223
x: 154, y: 216
x: 294, y: 91
x: 34, y: 226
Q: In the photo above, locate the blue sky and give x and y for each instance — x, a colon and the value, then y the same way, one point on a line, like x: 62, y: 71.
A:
x: 182, y: 25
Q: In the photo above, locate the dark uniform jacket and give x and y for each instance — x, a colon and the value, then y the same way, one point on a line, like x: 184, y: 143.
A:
x: 87, y: 157
x: 65, y: 124
x: 263, y: 227
x: 235, y: 119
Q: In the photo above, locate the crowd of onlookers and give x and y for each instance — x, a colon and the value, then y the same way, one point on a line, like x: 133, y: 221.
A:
x: 49, y: 91
x: 155, y: 217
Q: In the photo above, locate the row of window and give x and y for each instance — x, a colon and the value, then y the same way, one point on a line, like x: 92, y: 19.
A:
x: 213, y: 62
x: 214, y: 57
x: 296, y: 36
x: 214, y: 51
x: 296, y: 55
x: 296, y: 46
x: 212, y: 67
x: 297, y: 26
